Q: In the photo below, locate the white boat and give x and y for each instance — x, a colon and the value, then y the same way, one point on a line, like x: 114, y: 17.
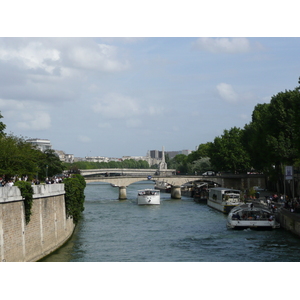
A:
x: 251, y: 215
x: 223, y: 199
x: 148, y: 197
x: 163, y: 186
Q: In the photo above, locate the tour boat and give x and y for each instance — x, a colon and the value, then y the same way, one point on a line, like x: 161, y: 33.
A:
x: 223, y: 199
x: 251, y: 215
x: 148, y: 196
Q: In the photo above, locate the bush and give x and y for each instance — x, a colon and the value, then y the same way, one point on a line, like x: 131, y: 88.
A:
x: 27, y: 193
x: 74, y: 197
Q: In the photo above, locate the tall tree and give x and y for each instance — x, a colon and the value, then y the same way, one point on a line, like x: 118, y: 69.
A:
x: 227, y: 153
x: 49, y: 164
x: 17, y: 158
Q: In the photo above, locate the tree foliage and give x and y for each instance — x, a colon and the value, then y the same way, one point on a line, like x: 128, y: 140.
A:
x: 50, y: 164
x: 27, y: 194
x: 228, y: 152
x: 74, y: 197
x: 2, y: 127
x: 18, y: 158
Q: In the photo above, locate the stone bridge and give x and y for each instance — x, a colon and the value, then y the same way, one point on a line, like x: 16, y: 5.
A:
x: 236, y: 181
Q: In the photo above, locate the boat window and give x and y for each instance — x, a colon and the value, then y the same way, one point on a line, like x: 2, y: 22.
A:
x: 251, y: 215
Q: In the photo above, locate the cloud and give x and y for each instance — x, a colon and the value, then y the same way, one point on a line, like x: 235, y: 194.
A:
x: 116, y: 106
x: 34, y: 55
x: 227, y: 92
x: 84, y: 139
x: 99, y: 57
x: 25, y: 115
x: 244, y: 117
x: 36, y: 121
x: 223, y: 45
x: 54, y: 54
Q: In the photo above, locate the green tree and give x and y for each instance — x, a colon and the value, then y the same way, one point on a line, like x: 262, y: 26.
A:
x: 201, y: 165
x: 17, y: 158
x: 74, y: 197
x: 227, y: 153
x: 49, y: 164
x: 272, y: 137
x: 2, y: 127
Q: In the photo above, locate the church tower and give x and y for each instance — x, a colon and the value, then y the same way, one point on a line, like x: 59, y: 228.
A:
x: 163, y: 165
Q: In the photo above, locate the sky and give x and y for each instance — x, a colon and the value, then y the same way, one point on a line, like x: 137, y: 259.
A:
x: 104, y: 95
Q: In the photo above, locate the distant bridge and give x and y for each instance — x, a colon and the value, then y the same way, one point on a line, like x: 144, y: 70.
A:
x: 124, y: 172
x: 236, y: 181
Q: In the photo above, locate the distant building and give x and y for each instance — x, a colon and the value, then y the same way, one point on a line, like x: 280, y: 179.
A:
x: 44, y: 144
x: 96, y: 159
x: 114, y: 159
x: 186, y: 152
x: 137, y: 158
x: 68, y: 158
x: 40, y: 144
x: 155, y: 154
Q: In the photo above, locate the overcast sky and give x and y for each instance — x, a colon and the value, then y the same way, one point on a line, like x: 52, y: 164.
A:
x: 125, y: 96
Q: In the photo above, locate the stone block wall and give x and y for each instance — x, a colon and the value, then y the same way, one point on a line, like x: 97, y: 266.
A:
x: 289, y: 221
x: 47, y: 230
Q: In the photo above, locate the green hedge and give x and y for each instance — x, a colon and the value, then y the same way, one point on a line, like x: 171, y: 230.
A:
x: 74, y: 197
x: 27, y: 193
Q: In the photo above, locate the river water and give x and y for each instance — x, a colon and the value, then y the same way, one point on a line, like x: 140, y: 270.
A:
x: 174, y: 231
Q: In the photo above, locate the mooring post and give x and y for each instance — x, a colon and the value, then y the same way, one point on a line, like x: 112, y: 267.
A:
x: 122, y: 193
x: 176, y: 192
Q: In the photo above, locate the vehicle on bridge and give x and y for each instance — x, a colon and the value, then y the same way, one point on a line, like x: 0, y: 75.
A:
x: 148, y: 197
x: 223, y: 199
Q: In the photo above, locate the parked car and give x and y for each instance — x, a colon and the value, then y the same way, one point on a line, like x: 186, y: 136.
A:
x: 209, y: 173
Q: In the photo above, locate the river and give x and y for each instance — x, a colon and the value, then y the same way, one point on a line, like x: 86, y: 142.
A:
x: 174, y: 231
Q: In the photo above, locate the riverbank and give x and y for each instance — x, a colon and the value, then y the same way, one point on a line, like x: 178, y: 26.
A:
x: 47, y: 230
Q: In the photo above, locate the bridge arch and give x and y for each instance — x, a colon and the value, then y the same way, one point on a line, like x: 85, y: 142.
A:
x: 236, y: 181
x: 122, y: 182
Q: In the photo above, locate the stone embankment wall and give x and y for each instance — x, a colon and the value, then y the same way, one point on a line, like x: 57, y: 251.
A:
x: 289, y: 221
x: 47, y: 230
x: 243, y: 183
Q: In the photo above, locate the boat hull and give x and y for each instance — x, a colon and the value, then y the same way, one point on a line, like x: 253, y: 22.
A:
x: 252, y: 215
x: 222, y: 207
x: 252, y: 224
x: 148, y: 197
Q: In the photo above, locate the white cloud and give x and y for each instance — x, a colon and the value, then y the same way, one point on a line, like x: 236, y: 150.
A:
x: 133, y: 123
x: 37, y: 120
x: 130, y: 110
x: 11, y: 105
x: 223, y: 45
x: 84, y: 139
x: 61, y: 56
x: 227, y: 92
x: 96, y: 57
x: 116, y: 106
x: 34, y: 55
x: 244, y: 116
x: 105, y: 125
x: 26, y: 115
